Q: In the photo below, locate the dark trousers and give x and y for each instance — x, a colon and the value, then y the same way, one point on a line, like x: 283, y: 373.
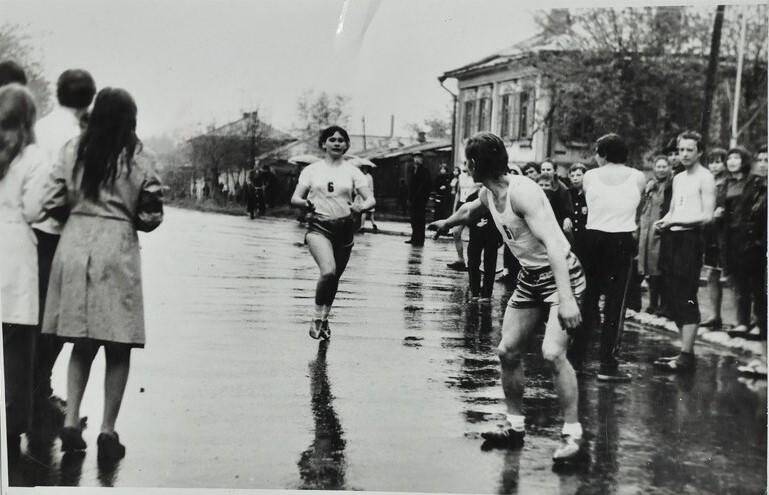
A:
x: 48, y: 346
x: 418, y: 223
x: 481, y: 243
x: 749, y: 276
x: 19, y: 355
x: 608, y: 265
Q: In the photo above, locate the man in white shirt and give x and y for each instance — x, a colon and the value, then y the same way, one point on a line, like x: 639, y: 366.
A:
x: 466, y: 186
x: 691, y: 207
x: 75, y: 91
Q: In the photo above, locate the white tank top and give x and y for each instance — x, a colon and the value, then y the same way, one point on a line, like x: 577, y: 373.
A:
x: 529, y: 250
x: 613, y: 208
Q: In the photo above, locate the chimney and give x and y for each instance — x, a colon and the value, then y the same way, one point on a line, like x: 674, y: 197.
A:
x: 421, y: 137
x: 392, y: 126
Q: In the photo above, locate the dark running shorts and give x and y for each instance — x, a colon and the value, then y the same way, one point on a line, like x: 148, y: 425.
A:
x: 537, y: 287
x: 340, y: 231
x: 681, y: 263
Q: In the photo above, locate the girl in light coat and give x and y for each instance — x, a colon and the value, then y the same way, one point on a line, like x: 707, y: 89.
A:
x: 19, y: 159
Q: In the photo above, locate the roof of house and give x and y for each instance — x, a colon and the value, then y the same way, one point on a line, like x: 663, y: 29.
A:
x: 310, y: 145
x: 536, y: 44
x: 241, y: 127
x: 383, y: 153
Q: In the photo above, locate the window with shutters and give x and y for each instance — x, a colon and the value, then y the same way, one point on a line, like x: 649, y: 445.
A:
x: 526, y: 114
x: 467, y: 125
x: 504, y: 116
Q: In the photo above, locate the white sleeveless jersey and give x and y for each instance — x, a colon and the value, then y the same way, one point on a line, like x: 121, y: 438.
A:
x: 529, y: 250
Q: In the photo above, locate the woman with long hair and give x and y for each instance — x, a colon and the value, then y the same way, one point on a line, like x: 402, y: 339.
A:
x: 106, y: 188
x: 19, y: 159
x: 326, y: 189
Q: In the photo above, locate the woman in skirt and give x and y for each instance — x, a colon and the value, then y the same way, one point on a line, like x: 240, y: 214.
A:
x: 106, y: 188
x: 326, y: 189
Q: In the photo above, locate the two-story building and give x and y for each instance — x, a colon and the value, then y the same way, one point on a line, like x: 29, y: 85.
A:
x: 506, y: 94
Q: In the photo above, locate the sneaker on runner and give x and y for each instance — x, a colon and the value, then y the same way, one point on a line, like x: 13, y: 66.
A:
x: 505, y: 439
x: 315, y: 329
x: 570, y: 449
x: 325, y: 331
x: 612, y: 374
x: 457, y: 265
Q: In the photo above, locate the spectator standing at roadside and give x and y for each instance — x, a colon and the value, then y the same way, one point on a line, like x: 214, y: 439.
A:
x: 691, y: 207
x: 753, y: 208
x: 579, y: 208
x: 75, y: 91
x: 733, y: 210
x: 713, y: 236
x: 19, y: 159
x: 561, y: 193
x: 655, y: 203
x: 531, y: 170
x: 612, y: 192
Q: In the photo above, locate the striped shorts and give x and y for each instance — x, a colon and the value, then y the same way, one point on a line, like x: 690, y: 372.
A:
x: 536, y: 287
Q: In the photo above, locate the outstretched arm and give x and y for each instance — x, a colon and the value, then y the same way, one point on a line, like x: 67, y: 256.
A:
x: 464, y: 215
x: 532, y: 204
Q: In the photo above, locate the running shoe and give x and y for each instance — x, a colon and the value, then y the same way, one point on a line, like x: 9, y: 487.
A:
x: 325, y: 331
x: 503, y: 439
x: 71, y: 439
x: 316, y: 329
x: 458, y: 266
x: 110, y: 447
x: 678, y: 365
x: 612, y: 374
x: 570, y: 449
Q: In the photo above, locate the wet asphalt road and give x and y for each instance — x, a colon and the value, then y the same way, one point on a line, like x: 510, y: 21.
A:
x: 230, y: 392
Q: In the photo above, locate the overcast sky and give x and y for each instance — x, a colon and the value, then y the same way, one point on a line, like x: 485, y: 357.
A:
x: 193, y: 62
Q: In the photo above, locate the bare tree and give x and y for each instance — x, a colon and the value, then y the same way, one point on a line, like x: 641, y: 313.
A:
x: 16, y: 45
x: 318, y: 110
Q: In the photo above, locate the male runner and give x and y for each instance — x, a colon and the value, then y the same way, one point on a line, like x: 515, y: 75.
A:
x: 549, y: 284
x: 691, y: 208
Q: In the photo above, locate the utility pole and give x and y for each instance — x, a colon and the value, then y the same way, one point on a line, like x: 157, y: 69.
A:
x: 363, y: 122
x: 710, y: 78
x: 738, y: 84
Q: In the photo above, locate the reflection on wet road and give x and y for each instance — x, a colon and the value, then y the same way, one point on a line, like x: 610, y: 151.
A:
x: 223, y: 395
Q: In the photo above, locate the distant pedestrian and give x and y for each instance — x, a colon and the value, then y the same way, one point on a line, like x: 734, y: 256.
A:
x: 106, y: 188
x: 691, y: 207
x: 443, y: 204
x: 466, y: 186
x: 419, y: 192
x: 612, y: 192
x: 326, y: 189
x: 75, y: 90
x: 19, y: 160
x: 368, y: 214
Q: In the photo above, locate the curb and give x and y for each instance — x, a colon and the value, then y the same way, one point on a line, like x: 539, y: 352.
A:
x: 722, y: 340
